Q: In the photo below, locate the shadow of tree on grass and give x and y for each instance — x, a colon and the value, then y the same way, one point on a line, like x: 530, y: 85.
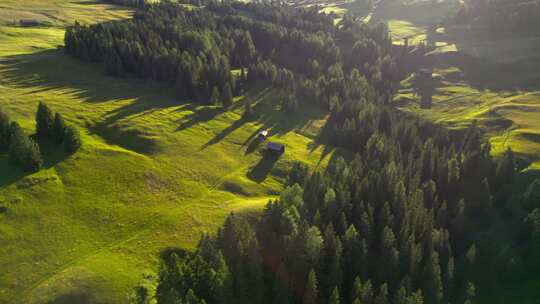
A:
x: 11, y: 172
x: 263, y: 168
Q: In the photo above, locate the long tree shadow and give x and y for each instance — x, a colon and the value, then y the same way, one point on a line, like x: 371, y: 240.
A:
x: 51, y: 70
x: 477, y: 68
x: 254, y: 144
x: 201, y: 114
x: 224, y: 133
x: 263, y: 168
x: 11, y: 172
x: 39, y: 73
x: 271, y: 117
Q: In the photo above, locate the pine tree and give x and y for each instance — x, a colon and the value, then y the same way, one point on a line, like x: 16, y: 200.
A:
x: 214, y: 98
x: 470, y: 293
x: 72, y: 139
x: 433, y: 287
x: 506, y: 168
x: 4, y: 130
x: 248, y: 111
x: 23, y: 150
x: 191, y: 298
x: 59, y: 128
x: 44, y: 121
x: 334, y: 298
x: 312, y: 290
x: 227, y: 96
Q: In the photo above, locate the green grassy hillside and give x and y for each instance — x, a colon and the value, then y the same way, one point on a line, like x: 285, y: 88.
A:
x: 153, y: 172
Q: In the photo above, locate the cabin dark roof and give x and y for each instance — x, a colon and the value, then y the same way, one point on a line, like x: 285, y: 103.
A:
x: 273, y: 146
x: 29, y: 22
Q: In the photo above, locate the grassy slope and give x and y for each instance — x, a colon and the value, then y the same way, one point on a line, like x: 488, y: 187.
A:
x: 153, y: 173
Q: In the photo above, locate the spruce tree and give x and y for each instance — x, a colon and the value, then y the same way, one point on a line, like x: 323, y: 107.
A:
x: 59, y: 128
x: 44, y: 121
x: 312, y: 289
x: 4, y: 130
x: 23, y: 150
x: 214, y: 98
x: 227, y: 96
x: 72, y: 139
x: 334, y: 298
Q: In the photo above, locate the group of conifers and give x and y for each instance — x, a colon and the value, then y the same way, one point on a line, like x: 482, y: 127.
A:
x: 50, y: 127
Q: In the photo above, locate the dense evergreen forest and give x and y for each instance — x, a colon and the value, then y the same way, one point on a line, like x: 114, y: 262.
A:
x: 133, y: 3
x: 501, y: 16
x: 195, y: 50
x: 407, y: 220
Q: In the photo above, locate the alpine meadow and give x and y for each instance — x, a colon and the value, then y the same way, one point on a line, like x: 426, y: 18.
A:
x: 272, y: 152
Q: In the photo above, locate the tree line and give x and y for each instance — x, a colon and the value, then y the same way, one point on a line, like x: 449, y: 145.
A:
x: 298, y: 51
x: 24, y: 150
x: 132, y: 3
x: 399, y: 223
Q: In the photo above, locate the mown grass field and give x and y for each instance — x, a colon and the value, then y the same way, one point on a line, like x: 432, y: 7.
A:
x: 153, y: 172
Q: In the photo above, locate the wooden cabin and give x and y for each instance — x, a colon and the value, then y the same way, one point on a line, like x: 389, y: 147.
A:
x: 276, y: 148
x: 29, y: 22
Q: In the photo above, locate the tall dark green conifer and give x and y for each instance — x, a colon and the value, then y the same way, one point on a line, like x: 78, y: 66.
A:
x: 4, y: 130
x: 311, y: 291
x: 23, y: 150
x: 227, y: 96
x: 72, y: 139
x: 59, y: 128
x: 215, y: 97
x: 44, y: 121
